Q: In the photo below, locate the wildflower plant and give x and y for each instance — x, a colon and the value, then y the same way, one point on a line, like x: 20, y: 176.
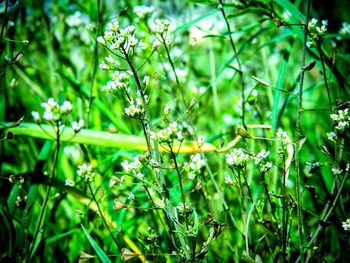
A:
x: 203, y: 133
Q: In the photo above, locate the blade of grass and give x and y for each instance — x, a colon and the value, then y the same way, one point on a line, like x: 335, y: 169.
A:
x: 100, y: 138
x: 279, y: 84
x: 102, y: 255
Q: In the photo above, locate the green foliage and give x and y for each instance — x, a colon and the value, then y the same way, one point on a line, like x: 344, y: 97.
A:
x: 190, y: 131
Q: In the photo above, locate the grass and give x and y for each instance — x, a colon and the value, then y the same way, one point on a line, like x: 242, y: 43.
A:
x: 214, y: 144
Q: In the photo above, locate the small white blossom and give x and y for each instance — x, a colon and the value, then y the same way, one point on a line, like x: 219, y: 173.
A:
x: 200, y: 141
x: 145, y: 80
x: 161, y: 26
x: 265, y: 167
x: 228, y: 180
x: 85, y: 172
x: 131, y: 196
x: 101, y: 40
x: 237, y: 158
x: 346, y: 225
x: 69, y: 182
x: 167, y: 109
x: 77, y: 125
x: 263, y: 154
x: 143, y: 11
x: 331, y: 135
x: 36, y: 117
x: 66, y: 107
x: 78, y: 213
x: 336, y: 171
x: 179, y: 136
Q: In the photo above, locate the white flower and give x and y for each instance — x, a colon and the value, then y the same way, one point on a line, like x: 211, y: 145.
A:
x: 36, y: 117
x: 110, y: 59
x: 200, y: 141
x: 331, y: 135
x: 143, y: 11
x: 336, y: 171
x: 139, y: 176
x: 237, y: 158
x: 179, y: 136
x: 265, y: 167
x: 101, y: 40
x: 131, y: 196
x: 66, y: 107
x: 346, y: 225
x: 78, y: 213
x: 167, y: 109
x: 228, y: 180
x: 104, y: 66
x: 113, y: 26
x: 145, y: 80
x: 69, y: 182
x: 161, y: 26
x: 85, y: 172
x: 263, y: 154
x: 77, y: 125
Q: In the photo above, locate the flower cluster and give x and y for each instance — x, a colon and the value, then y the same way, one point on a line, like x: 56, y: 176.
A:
x: 237, y: 158
x: 345, y: 30
x: 86, y: 172
x: 161, y: 26
x: 120, y: 80
x: 316, y: 32
x: 143, y: 11
x: 194, y: 167
x: 260, y: 160
x: 115, y: 180
x: 184, y: 210
x: 136, y: 108
x: 53, y: 111
x: 341, y: 119
x: 116, y: 38
x: 346, y: 225
x: 167, y: 134
x: 133, y: 167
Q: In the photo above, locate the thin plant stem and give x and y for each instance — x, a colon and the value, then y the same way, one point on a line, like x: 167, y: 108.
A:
x: 324, y: 74
x: 4, y: 21
x: 250, y: 193
x: 298, y: 136
x: 104, y: 219
x: 47, y: 195
x: 94, y: 66
x: 240, y: 72
x: 173, y: 69
x: 284, y: 221
x: 327, y: 213
x: 180, y: 182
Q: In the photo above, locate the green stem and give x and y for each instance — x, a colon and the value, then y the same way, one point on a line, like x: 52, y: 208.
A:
x: 180, y: 182
x: 46, y: 198
x: 329, y: 208
x: 298, y: 136
x: 104, y: 219
x: 240, y: 72
x: 173, y: 69
x: 4, y: 21
x: 324, y: 74
x: 93, y: 75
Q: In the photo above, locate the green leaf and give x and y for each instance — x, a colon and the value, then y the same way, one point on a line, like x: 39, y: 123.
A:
x: 59, y: 236
x: 100, y: 138
x: 279, y: 84
x: 104, y: 258
x: 195, y: 21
